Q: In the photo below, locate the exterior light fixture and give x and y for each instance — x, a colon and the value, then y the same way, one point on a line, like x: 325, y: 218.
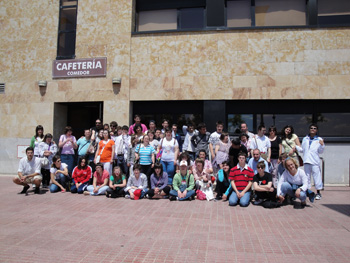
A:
x: 42, y: 83
x: 116, y: 80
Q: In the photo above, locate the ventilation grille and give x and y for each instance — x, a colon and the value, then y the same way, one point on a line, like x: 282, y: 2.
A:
x: 2, y: 88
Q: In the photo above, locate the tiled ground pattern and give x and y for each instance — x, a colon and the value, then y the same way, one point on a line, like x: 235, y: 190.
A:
x: 71, y: 228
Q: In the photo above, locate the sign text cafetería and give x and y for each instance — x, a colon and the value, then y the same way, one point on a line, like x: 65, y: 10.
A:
x: 79, y: 68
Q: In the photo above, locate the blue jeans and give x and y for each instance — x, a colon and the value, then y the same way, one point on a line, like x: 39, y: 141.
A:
x: 287, y: 189
x: 100, y: 191
x: 69, y: 160
x: 61, y: 180
x: 188, y: 195
x: 169, y: 168
x: 80, y: 189
x: 120, y: 161
x: 243, y: 201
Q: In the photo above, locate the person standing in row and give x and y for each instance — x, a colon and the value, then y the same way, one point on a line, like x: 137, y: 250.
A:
x: 276, y: 150
x: 105, y: 152
x: 312, y: 146
x: 37, y: 139
x: 289, y: 141
x: 261, y: 142
x: 68, y: 143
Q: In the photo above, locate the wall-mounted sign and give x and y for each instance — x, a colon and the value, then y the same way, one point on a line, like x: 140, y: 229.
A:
x: 21, y: 151
x: 78, y: 68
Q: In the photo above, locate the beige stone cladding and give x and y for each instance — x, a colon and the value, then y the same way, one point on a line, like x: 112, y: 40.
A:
x: 241, y: 64
x: 212, y: 65
x: 29, y: 45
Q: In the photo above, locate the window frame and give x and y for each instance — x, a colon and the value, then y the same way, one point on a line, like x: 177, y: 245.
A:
x: 60, y: 32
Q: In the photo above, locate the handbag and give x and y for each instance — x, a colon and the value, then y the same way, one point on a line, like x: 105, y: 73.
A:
x: 301, y: 162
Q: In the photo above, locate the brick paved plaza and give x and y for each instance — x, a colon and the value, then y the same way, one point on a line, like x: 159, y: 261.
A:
x: 63, y: 227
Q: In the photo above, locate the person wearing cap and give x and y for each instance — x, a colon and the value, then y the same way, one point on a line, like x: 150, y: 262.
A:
x: 137, y: 184
x: 183, y: 184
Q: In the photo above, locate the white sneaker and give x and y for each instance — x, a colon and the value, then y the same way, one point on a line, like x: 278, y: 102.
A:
x: 127, y: 196
x: 318, y: 196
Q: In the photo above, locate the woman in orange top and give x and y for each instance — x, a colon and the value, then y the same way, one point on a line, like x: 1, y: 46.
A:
x: 105, y: 152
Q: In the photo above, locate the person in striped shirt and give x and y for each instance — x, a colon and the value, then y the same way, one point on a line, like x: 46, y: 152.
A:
x: 145, y: 152
x: 241, y: 177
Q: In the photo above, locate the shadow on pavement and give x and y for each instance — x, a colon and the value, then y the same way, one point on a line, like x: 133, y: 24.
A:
x: 341, y: 208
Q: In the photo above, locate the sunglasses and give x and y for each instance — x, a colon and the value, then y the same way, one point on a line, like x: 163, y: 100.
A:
x: 313, y: 128
x: 260, y: 168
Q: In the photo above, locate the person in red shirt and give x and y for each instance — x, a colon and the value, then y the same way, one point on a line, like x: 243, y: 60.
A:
x: 241, y: 177
x: 81, y: 176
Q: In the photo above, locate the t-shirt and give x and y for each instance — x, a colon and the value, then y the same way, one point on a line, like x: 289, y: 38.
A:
x: 145, y: 154
x: 100, y: 179
x: 29, y: 167
x: 68, y: 146
x: 234, y: 153
x: 214, y: 138
x: 54, y: 169
x: 262, y: 143
x: 168, y: 148
x: 267, y: 177
x: 106, y: 155
x: 82, y: 175
x: 242, y: 177
x: 275, y: 148
x: 288, y: 144
x: 83, y: 146
x: 116, y: 180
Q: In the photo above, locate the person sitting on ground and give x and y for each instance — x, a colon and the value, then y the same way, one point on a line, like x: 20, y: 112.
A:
x: 208, y: 168
x: 200, y: 175
x: 184, y: 157
x: 222, y: 182
x: 293, y: 183
x: 159, y: 183
x: 81, y: 176
x: 183, y: 184
x: 137, y: 184
x: 203, y: 180
x: 59, y: 175
x: 255, y: 160
x: 100, y: 182
x: 262, y: 184
x: 241, y: 177
x: 29, y: 172
x: 117, y: 183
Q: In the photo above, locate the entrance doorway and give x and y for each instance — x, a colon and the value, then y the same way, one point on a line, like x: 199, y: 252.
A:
x: 78, y: 115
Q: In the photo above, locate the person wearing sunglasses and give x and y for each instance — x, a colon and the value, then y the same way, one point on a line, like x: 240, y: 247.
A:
x: 262, y: 184
x: 312, y: 146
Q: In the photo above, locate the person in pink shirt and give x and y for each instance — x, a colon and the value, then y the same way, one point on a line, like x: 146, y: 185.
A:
x: 137, y: 119
x: 100, y: 182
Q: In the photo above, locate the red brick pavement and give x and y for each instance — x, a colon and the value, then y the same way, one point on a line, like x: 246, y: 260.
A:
x: 63, y: 227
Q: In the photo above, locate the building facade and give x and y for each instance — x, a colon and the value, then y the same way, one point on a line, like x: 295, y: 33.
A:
x: 259, y: 61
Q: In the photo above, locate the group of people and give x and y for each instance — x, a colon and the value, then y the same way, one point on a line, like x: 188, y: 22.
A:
x: 140, y: 161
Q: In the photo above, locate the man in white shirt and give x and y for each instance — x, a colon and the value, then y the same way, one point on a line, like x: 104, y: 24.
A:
x: 29, y: 172
x: 262, y: 143
x: 122, y: 143
x: 312, y: 146
x: 244, y: 129
x: 215, y: 138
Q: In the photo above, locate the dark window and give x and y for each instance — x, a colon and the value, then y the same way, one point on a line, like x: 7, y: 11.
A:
x: 67, y: 29
x: 334, y: 124
x: 333, y: 12
x: 192, y: 18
